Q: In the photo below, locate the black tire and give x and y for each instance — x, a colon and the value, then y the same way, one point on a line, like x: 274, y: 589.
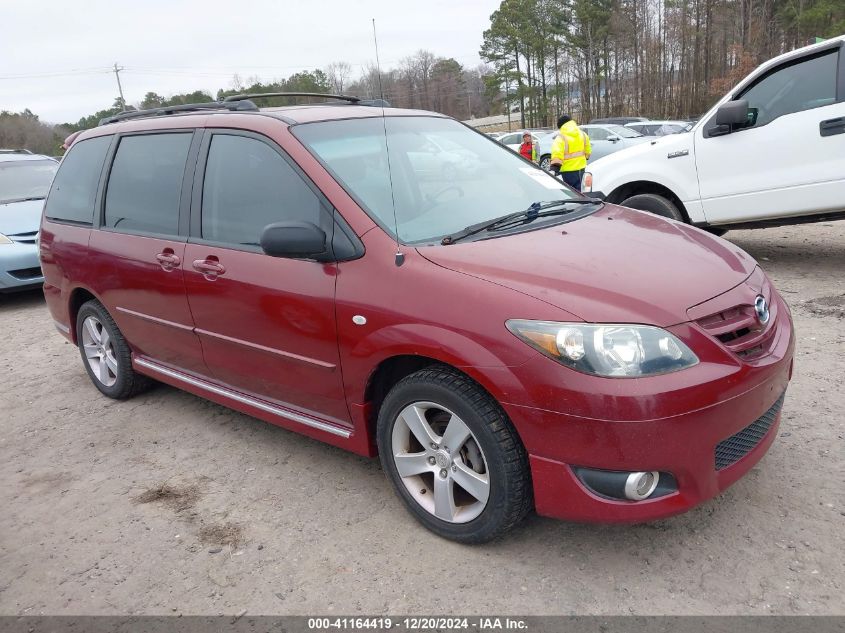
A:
x: 510, y: 489
x: 127, y: 381
x: 653, y: 203
x: 545, y: 162
x: 713, y: 230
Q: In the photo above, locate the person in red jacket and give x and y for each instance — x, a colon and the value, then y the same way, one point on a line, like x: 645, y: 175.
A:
x: 528, y: 149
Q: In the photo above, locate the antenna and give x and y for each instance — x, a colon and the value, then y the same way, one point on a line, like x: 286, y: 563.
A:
x: 400, y: 256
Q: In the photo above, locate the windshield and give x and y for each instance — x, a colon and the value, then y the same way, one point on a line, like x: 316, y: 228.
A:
x: 22, y: 179
x: 623, y: 132
x: 445, y: 176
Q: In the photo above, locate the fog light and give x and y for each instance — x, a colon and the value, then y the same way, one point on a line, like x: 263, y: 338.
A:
x: 639, y: 486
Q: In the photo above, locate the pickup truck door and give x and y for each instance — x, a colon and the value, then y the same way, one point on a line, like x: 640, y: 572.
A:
x: 790, y: 160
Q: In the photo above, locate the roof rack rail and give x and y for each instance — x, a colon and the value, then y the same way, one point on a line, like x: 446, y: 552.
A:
x: 234, y: 106
x: 257, y: 95
x: 378, y: 103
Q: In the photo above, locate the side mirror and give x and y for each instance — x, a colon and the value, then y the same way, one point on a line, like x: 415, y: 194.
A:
x: 733, y: 113
x: 296, y: 240
x: 613, y: 139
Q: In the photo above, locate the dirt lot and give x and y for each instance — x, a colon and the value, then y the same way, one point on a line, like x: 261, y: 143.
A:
x: 170, y: 504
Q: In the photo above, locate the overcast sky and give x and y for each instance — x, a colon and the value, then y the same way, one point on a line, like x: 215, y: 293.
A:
x: 55, y: 54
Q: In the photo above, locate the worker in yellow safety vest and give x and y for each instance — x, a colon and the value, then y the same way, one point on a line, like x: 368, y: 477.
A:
x: 570, y: 152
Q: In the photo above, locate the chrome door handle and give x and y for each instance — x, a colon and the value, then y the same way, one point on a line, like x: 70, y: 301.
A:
x: 168, y: 260
x: 209, y: 268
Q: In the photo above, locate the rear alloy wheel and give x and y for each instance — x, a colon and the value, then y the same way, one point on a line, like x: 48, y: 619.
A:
x: 98, y: 348
x: 106, y: 354
x: 653, y: 203
x: 453, y: 456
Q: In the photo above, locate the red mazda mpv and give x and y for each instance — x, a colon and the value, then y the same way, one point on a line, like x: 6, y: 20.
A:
x: 394, y: 283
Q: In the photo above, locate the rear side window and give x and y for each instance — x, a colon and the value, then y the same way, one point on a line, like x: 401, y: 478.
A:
x: 247, y: 186
x: 145, y: 184
x: 74, y: 188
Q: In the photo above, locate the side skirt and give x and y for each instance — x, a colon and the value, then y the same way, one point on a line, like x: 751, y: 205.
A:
x: 292, y: 420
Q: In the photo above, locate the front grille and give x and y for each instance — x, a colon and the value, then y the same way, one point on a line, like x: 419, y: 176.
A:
x: 737, y: 446
x: 26, y: 273
x: 741, y: 332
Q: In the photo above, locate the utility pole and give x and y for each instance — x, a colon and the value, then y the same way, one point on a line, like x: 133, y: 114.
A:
x: 507, y: 101
x: 119, y: 87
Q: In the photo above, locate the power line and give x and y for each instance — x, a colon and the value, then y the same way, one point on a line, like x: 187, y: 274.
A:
x: 60, y: 73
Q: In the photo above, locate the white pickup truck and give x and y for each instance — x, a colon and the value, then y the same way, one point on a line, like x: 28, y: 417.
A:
x: 770, y: 152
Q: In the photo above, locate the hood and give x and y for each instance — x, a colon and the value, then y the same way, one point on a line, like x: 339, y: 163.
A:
x: 20, y: 217
x: 614, y: 266
x: 639, y: 140
x: 647, y: 144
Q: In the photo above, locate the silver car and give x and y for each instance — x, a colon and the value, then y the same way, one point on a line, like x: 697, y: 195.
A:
x: 660, y: 128
x: 604, y: 140
x: 24, y: 181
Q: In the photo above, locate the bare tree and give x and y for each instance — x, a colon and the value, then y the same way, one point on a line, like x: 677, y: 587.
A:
x: 339, y: 74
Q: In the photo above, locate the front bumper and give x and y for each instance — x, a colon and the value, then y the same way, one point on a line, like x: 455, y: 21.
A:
x: 671, y: 424
x: 19, y: 267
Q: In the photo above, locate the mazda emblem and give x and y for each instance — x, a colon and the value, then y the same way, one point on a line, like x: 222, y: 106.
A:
x: 761, y: 307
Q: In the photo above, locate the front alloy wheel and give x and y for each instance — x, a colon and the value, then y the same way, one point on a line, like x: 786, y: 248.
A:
x: 453, y: 456
x: 440, y: 463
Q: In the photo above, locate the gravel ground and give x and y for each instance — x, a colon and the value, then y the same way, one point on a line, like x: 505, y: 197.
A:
x: 170, y: 504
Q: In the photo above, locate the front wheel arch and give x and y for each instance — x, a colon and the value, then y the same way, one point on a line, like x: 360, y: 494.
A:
x: 623, y: 192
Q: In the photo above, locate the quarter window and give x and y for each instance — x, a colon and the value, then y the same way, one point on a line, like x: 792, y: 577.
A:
x: 145, y: 184
x: 74, y: 188
x: 810, y: 83
x: 247, y: 186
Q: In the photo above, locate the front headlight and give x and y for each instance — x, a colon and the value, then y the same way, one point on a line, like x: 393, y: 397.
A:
x: 5, y: 240
x: 610, y: 350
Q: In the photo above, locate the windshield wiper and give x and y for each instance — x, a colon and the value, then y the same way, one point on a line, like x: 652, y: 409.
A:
x: 536, y: 210
x: 21, y: 199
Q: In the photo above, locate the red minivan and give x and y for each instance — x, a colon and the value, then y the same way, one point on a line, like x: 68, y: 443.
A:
x: 392, y: 282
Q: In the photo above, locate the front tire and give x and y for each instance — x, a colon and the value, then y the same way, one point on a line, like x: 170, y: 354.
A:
x: 453, y: 456
x: 106, y: 354
x: 546, y: 162
x: 653, y: 203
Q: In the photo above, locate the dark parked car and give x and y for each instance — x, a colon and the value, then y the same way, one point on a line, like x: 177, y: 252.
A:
x: 501, y: 342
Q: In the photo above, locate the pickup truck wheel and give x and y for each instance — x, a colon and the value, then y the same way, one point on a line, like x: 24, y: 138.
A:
x: 453, y: 456
x: 658, y: 205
